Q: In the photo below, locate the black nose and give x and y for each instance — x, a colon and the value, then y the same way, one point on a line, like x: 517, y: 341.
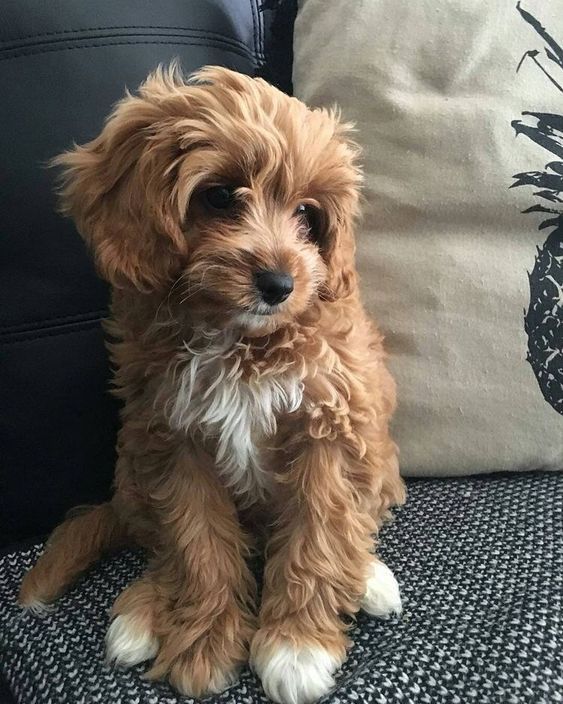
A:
x: 274, y: 286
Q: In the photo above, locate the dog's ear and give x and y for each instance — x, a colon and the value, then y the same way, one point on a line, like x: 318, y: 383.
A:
x: 343, y: 206
x: 120, y: 191
x: 336, y: 186
x: 339, y: 258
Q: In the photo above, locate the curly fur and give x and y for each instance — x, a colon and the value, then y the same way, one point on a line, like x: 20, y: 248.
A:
x: 235, y: 424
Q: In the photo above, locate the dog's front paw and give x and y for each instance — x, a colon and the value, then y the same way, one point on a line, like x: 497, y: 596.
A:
x: 207, y: 665
x: 202, y: 656
x: 199, y: 674
x: 293, y: 671
x: 382, y: 596
x: 130, y: 640
x: 199, y: 652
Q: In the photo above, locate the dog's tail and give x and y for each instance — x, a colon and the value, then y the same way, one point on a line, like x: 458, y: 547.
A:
x: 78, y: 542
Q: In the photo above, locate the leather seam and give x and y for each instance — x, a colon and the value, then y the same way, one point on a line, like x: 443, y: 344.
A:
x: 68, y: 329
x: 247, y: 55
x: 195, y: 30
x: 259, y: 12
x: 75, y: 36
x: 8, y: 328
x: 254, y: 26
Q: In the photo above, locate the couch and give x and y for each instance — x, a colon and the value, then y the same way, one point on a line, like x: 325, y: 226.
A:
x: 479, y: 560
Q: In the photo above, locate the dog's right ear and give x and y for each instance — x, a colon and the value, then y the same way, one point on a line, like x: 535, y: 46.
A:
x: 119, y: 189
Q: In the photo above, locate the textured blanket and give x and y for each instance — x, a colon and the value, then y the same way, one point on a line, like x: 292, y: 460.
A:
x: 480, y: 564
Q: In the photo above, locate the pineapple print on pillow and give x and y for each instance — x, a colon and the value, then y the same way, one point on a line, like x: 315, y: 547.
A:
x: 544, y: 317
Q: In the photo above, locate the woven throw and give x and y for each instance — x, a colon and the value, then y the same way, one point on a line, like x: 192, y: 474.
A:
x: 480, y: 564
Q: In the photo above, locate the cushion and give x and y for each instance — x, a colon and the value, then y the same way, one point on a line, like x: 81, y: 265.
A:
x: 467, y: 288
x: 480, y: 564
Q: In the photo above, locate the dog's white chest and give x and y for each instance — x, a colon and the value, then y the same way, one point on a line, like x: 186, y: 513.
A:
x: 210, y: 395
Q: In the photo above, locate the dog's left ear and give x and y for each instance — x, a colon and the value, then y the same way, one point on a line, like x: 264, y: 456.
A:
x: 343, y: 208
x: 119, y: 188
x: 338, y: 185
x: 340, y: 261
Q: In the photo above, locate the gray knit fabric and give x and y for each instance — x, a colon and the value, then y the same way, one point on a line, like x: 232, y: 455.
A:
x: 480, y: 563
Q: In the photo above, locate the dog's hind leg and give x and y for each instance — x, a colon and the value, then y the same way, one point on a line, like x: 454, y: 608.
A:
x: 73, y: 546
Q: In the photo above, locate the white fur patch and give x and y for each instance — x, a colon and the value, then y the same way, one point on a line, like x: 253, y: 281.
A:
x: 382, y: 597
x: 128, y: 642
x: 291, y: 676
x: 209, y: 393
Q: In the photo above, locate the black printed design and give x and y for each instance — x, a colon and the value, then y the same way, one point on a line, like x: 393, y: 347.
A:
x: 544, y: 318
x: 480, y: 564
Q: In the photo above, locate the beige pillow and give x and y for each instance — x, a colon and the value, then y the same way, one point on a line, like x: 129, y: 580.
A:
x: 444, y: 250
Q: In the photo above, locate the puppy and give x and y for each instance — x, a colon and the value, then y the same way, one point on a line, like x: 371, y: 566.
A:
x: 256, y: 400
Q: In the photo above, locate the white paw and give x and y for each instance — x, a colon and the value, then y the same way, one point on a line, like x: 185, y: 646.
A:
x: 296, y: 676
x: 382, y: 597
x: 128, y: 642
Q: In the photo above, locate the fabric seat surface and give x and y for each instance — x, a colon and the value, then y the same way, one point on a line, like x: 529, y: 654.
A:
x: 480, y: 563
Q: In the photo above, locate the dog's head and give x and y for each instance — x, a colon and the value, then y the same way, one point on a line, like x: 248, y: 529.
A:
x: 236, y: 196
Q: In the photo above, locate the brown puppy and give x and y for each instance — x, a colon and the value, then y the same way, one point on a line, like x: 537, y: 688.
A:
x: 254, y: 386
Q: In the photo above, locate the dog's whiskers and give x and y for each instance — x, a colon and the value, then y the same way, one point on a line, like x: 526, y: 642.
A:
x: 167, y: 299
x: 191, y: 293
x: 194, y: 288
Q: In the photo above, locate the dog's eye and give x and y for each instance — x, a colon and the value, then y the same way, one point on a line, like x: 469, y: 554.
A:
x: 219, y: 197
x: 311, y: 218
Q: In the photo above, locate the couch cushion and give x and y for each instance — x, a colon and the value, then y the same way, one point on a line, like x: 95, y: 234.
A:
x: 467, y: 288
x: 480, y: 564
